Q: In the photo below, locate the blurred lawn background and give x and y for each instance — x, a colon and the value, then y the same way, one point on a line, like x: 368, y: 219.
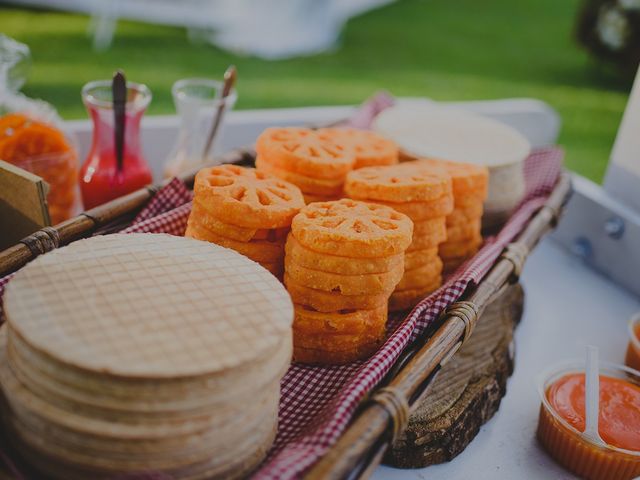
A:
x: 443, y: 49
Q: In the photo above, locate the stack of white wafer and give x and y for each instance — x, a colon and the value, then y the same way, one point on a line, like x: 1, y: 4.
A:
x: 137, y: 353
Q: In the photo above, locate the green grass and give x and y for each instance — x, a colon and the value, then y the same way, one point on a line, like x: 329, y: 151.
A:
x: 447, y: 50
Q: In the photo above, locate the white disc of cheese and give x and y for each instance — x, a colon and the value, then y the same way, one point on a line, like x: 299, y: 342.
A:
x: 448, y: 133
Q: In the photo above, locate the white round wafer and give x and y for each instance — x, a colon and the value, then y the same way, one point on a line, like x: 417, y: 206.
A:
x: 148, y: 306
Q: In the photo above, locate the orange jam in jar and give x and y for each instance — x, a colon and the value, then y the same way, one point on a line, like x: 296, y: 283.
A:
x: 632, y: 359
x: 562, y: 423
x: 43, y: 149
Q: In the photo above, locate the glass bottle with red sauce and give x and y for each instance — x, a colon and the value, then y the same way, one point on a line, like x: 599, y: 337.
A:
x: 102, y: 178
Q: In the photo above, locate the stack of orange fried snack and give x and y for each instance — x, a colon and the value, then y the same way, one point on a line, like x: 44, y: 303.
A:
x: 424, y: 194
x: 306, y: 158
x: 245, y: 210
x: 464, y: 223
x: 343, y: 260
x: 370, y: 149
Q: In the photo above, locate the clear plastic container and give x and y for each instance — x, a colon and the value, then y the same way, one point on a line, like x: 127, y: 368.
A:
x: 632, y: 359
x: 568, y: 446
x: 44, y: 150
x: 197, y: 102
x: 60, y: 171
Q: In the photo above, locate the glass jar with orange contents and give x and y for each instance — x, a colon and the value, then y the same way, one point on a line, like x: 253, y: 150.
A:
x: 632, y: 359
x: 44, y: 150
x: 561, y: 424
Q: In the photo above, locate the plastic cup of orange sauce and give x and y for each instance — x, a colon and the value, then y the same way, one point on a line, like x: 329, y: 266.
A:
x: 632, y: 359
x: 562, y: 421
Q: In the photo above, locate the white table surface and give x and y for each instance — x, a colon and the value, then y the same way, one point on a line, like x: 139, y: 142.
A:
x: 567, y: 306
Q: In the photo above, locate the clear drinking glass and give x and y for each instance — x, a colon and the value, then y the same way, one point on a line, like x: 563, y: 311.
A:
x: 197, y: 102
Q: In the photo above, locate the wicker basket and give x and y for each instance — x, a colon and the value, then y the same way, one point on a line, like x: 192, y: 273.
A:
x: 361, y: 447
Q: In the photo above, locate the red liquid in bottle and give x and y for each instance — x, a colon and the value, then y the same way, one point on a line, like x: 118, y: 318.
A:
x: 101, y: 180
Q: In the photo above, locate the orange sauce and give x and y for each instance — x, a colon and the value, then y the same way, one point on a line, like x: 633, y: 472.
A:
x: 632, y: 358
x: 618, y: 425
x: 619, y: 420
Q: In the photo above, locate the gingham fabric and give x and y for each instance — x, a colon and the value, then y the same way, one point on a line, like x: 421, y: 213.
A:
x: 318, y: 402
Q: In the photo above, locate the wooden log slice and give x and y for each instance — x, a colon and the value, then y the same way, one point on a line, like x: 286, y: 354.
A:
x: 467, y: 391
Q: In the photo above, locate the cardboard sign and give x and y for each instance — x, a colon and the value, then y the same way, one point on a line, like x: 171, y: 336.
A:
x: 23, y: 204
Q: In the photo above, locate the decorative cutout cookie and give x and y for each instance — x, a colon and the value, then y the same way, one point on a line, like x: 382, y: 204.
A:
x: 353, y: 323
x: 304, y: 151
x: 331, y: 301
x: 418, y: 211
x: 406, y: 182
x: 422, y: 276
x: 260, y: 251
x: 371, y: 149
x: 247, y: 197
x: 366, y: 284
x: 406, y: 299
x: 418, y: 258
x: 465, y: 177
x: 308, y: 185
x: 351, y: 228
x: 324, y: 262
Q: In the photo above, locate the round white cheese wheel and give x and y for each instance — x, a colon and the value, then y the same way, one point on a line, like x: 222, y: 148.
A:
x: 448, y: 133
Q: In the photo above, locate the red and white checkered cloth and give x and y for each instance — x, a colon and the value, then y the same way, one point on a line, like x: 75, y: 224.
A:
x: 318, y: 402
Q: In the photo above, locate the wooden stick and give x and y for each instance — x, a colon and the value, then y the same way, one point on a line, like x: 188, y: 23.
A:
x: 229, y: 81
x: 368, y: 436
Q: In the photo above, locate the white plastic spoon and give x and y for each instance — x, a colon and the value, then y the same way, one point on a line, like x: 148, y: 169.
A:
x: 592, y: 396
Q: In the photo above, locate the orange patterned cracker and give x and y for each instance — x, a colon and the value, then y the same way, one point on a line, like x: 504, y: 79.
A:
x: 354, y: 323
x: 418, y: 258
x: 418, y: 211
x: 246, y: 197
x: 398, y: 183
x: 465, y: 177
x: 371, y: 149
x: 459, y: 249
x: 204, y: 218
x: 331, y: 301
x: 433, y: 227
x: 341, y: 342
x: 258, y: 251
x: 452, y: 264
x: 302, y: 151
x: 421, y: 276
x: 313, y: 356
x: 469, y: 201
x: 464, y: 215
x: 353, y: 229
x: 367, y: 284
x: 406, y: 299
x: 308, y: 185
x: 310, y: 198
x: 335, y: 264
x: 464, y: 231
x: 272, y: 234
x: 425, y: 241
